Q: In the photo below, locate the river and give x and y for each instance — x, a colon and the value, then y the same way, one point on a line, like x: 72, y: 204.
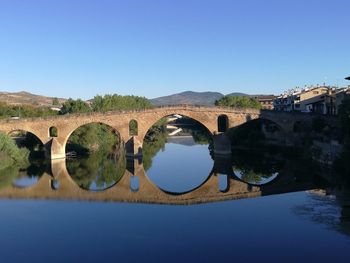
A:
x: 180, y: 204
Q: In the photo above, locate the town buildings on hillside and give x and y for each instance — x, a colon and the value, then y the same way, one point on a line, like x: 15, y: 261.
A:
x: 266, y: 101
x: 319, y: 99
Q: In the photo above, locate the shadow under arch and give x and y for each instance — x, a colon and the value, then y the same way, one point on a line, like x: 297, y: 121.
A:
x: 29, y: 140
x: 255, y: 130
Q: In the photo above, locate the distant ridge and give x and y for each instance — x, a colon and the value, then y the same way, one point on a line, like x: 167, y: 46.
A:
x: 26, y: 98
x: 192, y: 97
x: 186, y: 97
x: 239, y: 94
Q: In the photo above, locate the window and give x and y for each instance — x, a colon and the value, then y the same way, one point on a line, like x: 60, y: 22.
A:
x: 53, y: 132
x: 133, y: 128
x: 222, y: 123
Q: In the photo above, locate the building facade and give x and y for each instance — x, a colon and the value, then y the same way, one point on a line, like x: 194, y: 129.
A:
x: 321, y: 100
x: 266, y: 101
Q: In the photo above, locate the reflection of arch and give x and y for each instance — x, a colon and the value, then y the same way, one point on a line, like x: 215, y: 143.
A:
x: 223, y: 123
x: 53, y: 131
x: 185, y: 192
x: 133, y: 128
x: 119, y: 164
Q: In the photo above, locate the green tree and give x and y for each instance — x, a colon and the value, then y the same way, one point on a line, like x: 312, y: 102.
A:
x: 93, y: 137
x: 23, y: 111
x: 55, y: 101
x: 75, y: 106
x: 118, y: 102
x: 238, y: 102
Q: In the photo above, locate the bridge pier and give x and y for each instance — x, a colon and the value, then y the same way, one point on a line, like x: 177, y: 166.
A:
x: 57, y: 150
x: 133, y: 147
x: 222, y: 144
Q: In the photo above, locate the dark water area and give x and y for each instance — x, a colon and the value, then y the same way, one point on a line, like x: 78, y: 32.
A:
x: 180, y: 204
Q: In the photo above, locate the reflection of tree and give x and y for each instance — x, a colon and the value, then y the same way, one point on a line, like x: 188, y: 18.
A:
x: 154, y: 142
x: 251, y: 177
x: 7, y: 176
x: 99, y: 167
x: 16, y: 171
x: 199, y: 133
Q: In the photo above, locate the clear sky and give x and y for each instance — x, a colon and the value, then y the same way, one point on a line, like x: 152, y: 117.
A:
x: 80, y: 48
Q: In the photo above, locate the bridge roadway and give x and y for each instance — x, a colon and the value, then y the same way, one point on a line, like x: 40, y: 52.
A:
x: 120, y: 120
x: 147, y: 192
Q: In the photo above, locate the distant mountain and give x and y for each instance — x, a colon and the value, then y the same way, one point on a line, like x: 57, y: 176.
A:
x: 17, y: 98
x: 188, y: 97
x: 191, y: 97
x: 239, y: 94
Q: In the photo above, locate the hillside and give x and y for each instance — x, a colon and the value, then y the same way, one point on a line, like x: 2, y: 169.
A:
x: 188, y: 97
x: 191, y: 97
x: 17, y: 98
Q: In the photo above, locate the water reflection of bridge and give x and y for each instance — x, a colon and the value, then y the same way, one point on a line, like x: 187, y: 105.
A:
x: 60, y: 186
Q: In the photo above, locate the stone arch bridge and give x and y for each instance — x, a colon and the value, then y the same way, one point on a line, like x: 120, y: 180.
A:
x: 209, y: 117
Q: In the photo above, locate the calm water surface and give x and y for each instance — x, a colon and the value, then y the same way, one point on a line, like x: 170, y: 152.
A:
x: 301, y: 226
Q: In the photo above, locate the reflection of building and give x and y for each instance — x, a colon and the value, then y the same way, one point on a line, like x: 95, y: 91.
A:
x: 266, y: 101
x: 316, y: 99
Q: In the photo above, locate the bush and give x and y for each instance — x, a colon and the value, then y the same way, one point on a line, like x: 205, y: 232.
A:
x: 10, y: 154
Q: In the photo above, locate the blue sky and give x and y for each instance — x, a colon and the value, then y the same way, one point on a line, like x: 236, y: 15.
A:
x: 158, y: 47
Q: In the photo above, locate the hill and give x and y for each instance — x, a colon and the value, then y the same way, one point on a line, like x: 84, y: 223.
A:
x: 191, y: 97
x: 188, y: 97
x: 18, y: 98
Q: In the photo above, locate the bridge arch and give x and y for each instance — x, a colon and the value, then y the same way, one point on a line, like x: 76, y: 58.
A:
x: 167, y: 114
x: 28, y: 138
x: 76, y: 128
x: 40, y: 137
